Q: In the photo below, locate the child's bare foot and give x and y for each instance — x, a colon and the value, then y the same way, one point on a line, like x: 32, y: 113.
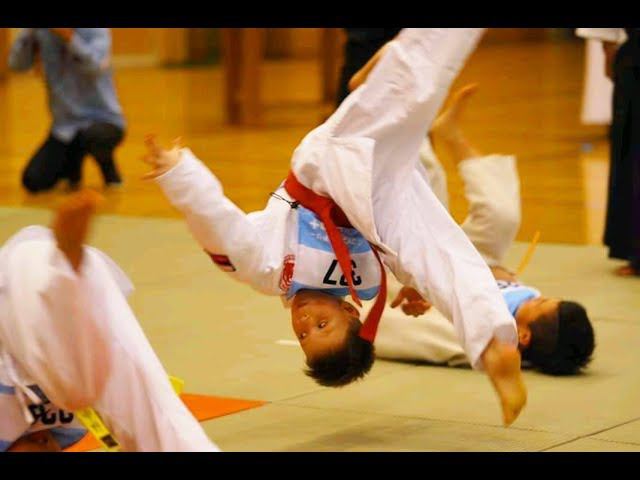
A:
x: 447, y: 126
x: 502, y: 364
x: 71, y: 224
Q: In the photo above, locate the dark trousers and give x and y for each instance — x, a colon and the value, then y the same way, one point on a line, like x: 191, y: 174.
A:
x: 622, y: 232
x: 56, y: 160
x: 361, y: 45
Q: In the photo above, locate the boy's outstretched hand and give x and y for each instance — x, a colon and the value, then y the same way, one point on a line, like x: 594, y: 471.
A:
x: 160, y: 160
x: 412, y: 302
x: 71, y: 224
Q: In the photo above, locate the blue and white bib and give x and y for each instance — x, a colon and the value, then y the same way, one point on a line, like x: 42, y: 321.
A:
x: 64, y: 426
x: 316, y: 265
x: 515, y: 294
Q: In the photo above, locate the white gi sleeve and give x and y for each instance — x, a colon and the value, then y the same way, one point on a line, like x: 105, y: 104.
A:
x: 220, y: 226
x: 435, y: 173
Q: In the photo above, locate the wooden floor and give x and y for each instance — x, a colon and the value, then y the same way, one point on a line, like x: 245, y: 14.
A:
x: 528, y: 104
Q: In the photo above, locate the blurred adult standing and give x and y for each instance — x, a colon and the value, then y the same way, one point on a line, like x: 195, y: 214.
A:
x: 361, y: 45
x: 621, y: 48
x: 87, y: 117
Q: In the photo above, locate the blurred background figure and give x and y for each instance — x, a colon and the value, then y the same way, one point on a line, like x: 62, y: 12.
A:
x: 359, y: 47
x: 622, y: 65
x: 87, y: 118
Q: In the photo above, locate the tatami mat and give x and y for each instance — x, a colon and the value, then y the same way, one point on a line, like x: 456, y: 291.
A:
x: 223, y: 340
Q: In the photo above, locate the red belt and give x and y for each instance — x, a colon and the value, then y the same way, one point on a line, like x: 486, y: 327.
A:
x: 332, y: 216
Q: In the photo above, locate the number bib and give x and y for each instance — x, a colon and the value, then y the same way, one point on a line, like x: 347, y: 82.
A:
x: 515, y: 294
x: 62, y: 424
x: 316, y: 265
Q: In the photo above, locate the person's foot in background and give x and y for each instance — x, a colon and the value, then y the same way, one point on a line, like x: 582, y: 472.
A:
x: 629, y: 270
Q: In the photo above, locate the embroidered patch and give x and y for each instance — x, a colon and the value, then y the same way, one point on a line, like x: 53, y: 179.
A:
x: 223, y: 262
x: 287, y: 272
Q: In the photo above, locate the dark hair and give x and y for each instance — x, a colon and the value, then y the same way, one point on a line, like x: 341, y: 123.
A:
x: 348, y: 364
x: 561, y: 344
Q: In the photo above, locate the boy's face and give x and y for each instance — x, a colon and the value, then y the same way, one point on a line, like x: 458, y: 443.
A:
x: 320, y: 322
x: 531, y: 311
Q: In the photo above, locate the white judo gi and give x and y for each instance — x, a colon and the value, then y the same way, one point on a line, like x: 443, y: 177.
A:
x: 69, y: 341
x: 365, y: 158
x: 492, y: 189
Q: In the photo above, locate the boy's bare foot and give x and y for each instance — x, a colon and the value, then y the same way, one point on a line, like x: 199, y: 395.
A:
x: 447, y: 126
x: 71, y: 224
x: 502, y: 364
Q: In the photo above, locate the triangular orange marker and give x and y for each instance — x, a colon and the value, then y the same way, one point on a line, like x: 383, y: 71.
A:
x: 203, y: 407
x: 86, y: 444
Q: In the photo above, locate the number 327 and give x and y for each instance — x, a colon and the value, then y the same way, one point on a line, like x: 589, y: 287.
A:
x: 357, y: 280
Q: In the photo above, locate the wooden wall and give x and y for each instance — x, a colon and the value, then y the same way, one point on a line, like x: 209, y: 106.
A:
x: 149, y: 46
x: 162, y: 46
x: 133, y: 46
x: 307, y: 42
